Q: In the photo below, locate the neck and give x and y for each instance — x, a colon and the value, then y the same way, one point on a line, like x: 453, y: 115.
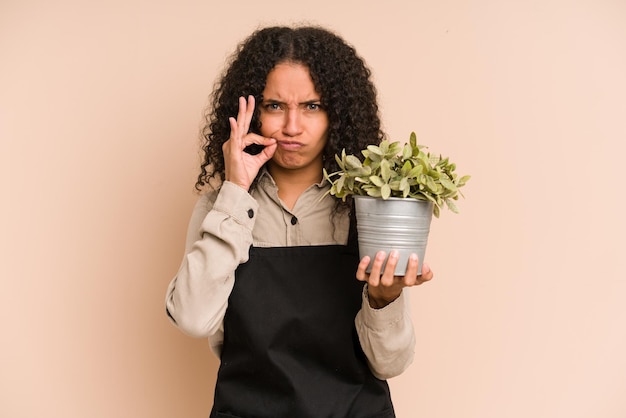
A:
x: 292, y: 183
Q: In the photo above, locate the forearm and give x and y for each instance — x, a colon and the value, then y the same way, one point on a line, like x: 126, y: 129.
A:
x: 219, y: 239
x: 386, y: 336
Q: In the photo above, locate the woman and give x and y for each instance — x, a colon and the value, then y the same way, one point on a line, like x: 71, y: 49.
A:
x: 270, y: 261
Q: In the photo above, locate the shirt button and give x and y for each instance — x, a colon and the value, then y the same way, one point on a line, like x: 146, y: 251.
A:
x: 250, y: 213
x: 294, y: 220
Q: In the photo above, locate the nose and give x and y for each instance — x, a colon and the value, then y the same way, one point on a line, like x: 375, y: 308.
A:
x: 292, y: 126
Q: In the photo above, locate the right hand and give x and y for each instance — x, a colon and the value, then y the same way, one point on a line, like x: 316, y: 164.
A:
x: 240, y: 167
x: 383, y: 287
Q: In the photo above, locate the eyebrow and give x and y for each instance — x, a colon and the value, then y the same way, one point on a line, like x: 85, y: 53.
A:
x: 307, y: 102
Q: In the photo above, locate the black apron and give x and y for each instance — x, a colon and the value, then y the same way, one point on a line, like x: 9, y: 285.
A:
x: 290, y: 345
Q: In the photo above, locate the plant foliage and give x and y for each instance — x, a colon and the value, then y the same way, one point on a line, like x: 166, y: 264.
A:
x: 395, y: 170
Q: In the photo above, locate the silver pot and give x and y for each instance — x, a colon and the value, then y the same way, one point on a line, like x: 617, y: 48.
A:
x: 393, y: 224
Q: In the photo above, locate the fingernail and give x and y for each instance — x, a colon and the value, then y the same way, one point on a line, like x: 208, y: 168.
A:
x: 413, y: 257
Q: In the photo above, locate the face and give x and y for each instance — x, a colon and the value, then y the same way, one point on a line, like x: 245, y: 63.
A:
x: 291, y: 113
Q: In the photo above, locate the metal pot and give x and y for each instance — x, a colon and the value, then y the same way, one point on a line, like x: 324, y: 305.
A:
x: 393, y: 224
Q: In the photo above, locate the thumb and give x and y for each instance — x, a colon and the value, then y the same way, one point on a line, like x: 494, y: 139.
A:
x: 268, y: 152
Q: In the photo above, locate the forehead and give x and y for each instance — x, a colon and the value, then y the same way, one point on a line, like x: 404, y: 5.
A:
x: 289, y: 79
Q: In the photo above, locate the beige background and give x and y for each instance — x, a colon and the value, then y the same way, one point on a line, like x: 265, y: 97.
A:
x: 100, y: 106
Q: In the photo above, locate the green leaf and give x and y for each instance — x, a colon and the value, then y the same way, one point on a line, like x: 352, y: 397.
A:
x: 452, y: 206
x: 374, y: 157
x: 404, y: 183
x: 340, y: 161
x: 394, y: 149
x: 373, y: 191
x: 407, y: 152
x: 424, y: 160
x: 385, y: 170
x: 448, y: 184
x: 377, y: 181
x: 385, y: 191
x: 395, y: 185
x: 416, y: 171
x: 340, y: 182
x: 430, y: 197
x: 443, y: 162
x: 406, y: 168
x: 463, y: 180
x: 359, y: 172
x: 374, y: 150
x: 430, y: 183
x: 353, y: 162
x: 434, y: 174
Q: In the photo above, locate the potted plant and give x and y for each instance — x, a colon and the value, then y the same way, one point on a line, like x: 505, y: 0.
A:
x: 396, y: 190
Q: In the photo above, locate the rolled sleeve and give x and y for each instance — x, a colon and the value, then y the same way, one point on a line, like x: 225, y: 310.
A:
x: 237, y: 203
x: 386, y: 336
x: 218, y: 240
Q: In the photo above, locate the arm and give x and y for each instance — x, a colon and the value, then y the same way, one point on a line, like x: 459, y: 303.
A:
x: 384, y: 322
x: 386, y: 336
x: 219, y: 236
x: 218, y: 240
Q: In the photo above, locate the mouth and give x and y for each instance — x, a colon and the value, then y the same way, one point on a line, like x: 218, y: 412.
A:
x: 289, y: 145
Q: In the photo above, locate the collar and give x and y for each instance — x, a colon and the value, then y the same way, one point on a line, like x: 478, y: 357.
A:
x: 266, y: 178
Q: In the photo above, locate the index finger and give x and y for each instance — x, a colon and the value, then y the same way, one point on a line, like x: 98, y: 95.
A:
x: 244, y: 116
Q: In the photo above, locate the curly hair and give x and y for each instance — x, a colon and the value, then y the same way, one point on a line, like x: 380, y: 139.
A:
x: 339, y: 75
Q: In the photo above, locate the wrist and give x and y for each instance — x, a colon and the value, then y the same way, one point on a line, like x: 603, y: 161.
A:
x: 379, y: 301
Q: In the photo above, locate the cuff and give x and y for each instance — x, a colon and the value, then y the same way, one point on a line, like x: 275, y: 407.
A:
x: 237, y: 203
x: 383, y: 318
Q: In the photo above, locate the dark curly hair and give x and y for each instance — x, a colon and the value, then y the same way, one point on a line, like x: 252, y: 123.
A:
x: 340, y: 77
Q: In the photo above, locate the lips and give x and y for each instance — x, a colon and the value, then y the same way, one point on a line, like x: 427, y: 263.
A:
x: 290, y: 145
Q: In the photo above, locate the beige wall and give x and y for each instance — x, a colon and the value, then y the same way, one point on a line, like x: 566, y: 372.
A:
x: 100, y: 105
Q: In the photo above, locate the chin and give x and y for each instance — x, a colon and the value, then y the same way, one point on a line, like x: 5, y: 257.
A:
x: 287, y: 162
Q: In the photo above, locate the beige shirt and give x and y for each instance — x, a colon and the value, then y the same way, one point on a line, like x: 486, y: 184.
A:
x: 222, y: 228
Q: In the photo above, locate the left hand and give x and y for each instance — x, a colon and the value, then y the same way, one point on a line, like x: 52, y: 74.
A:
x: 386, y: 287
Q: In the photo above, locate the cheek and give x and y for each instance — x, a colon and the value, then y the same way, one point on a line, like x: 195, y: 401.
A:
x: 269, y: 125
x: 323, y: 130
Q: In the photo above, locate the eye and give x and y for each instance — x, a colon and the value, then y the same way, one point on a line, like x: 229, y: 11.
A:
x: 313, y: 106
x: 272, y: 107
